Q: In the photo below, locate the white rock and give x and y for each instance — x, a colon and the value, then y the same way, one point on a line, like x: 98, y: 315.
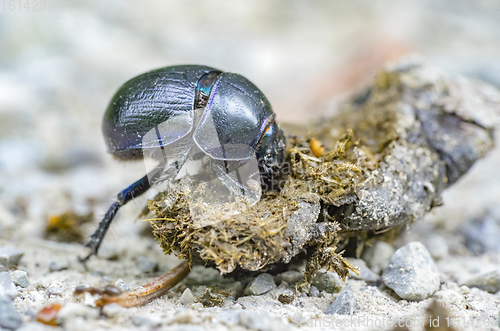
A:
x: 488, y: 281
x: 187, y: 297
x: 365, y: 273
x: 20, y: 278
x: 482, y: 234
x: 378, y: 256
x: 327, y: 281
x: 113, y: 309
x: 263, y: 283
x: 55, y: 266
x: 10, y: 256
x: 120, y: 283
x: 411, y: 272
x: 290, y: 276
x: 344, y: 304
x: 465, y: 289
x: 236, y: 306
x: 7, y: 287
x: 9, y: 317
x: 313, y: 291
x: 56, y: 290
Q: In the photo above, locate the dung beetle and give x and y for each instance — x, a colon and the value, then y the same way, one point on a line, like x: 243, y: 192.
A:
x: 173, y: 110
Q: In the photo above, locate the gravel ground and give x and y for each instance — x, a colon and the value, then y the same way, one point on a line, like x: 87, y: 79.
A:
x: 58, y: 70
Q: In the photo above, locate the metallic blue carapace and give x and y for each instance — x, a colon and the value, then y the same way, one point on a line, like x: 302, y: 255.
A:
x: 204, y: 102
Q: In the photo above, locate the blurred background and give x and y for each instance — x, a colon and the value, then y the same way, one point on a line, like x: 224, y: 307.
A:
x: 60, y: 66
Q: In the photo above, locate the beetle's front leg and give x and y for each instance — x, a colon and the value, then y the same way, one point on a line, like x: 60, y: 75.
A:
x: 131, y: 192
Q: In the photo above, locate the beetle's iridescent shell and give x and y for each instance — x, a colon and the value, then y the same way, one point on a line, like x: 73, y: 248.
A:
x: 145, y: 101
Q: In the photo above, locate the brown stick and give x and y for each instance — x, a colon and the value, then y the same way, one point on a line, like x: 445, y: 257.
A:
x: 148, y: 292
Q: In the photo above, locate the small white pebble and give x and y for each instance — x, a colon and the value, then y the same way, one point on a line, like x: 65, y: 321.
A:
x: 236, y: 306
x: 113, y: 309
x: 465, y: 289
x: 20, y: 278
x: 187, y: 297
x: 89, y: 299
x: 54, y: 290
x: 120, y: 283
x: 313, y: 291
x: 10, y: 256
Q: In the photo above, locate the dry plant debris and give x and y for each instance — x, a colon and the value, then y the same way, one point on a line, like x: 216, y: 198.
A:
x: 378, y: 165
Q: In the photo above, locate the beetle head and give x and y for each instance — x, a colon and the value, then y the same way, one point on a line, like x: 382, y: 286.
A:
x: 270, y: 153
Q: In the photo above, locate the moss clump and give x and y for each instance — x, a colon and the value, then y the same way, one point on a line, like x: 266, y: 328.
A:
x: 332, y: 176
x: 213, y: 298
x: 274, y: 229
x: 250, y: 240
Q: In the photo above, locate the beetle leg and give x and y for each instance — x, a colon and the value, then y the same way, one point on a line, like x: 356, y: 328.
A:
x: 144, y: 294
x: 131, y: 192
